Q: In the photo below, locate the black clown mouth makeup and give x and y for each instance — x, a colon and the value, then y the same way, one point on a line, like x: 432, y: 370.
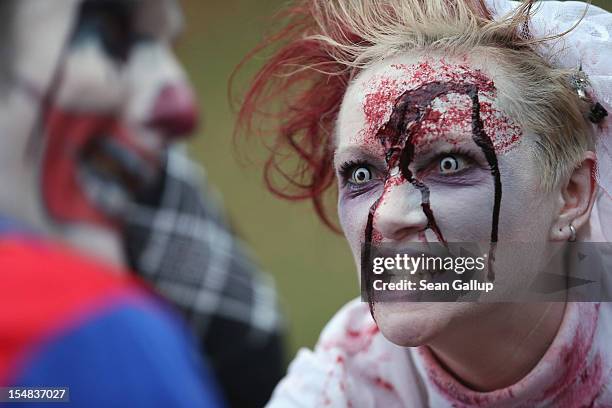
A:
x: 111, y: 175
x: 91, y: 168
x: 104, y: 138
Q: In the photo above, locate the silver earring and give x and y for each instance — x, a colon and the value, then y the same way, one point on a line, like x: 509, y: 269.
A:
x: 572, y: 237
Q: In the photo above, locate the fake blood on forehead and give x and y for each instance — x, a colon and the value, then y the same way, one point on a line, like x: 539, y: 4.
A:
x: 383, y: 90
x: 400, y: 134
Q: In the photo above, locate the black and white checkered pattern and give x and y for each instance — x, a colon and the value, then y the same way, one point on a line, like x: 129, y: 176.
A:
x: 178, y: 238
x: 181, y: 242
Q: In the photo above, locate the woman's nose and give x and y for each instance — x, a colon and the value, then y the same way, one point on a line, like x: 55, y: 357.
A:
x: 400, y: 216
x: 174, y: 111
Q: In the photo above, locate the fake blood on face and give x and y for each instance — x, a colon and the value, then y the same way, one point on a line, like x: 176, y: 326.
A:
x: 383, y: 89
x: 404, y: 130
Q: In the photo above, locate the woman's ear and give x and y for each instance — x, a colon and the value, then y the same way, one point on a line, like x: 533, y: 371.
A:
x: 577, y: 197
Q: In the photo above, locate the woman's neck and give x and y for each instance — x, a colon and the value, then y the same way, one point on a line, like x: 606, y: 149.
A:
x: 502, y: 346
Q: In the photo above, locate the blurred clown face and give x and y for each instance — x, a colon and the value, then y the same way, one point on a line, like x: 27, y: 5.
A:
x: 121, y: 99
x: 95, y: 97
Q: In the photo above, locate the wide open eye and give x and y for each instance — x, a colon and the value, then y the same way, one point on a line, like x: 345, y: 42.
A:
x: 450, y: 164
x: 361, y: 175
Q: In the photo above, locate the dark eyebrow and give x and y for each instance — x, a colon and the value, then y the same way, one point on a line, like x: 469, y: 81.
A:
x: 126, y: 7
x: 358, y: 152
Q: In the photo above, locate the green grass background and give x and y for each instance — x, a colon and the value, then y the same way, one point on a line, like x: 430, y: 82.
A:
x: 312, y: 266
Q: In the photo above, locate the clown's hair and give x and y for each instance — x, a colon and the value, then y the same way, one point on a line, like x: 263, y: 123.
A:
x: 323, y: 44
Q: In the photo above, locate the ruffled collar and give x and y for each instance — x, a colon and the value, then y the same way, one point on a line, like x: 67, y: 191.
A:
x: 572, y: 372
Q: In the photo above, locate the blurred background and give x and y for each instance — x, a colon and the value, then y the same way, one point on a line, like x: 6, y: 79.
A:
x: 313, y: 267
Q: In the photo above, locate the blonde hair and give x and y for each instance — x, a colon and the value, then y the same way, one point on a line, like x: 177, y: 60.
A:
x: 326, y: 43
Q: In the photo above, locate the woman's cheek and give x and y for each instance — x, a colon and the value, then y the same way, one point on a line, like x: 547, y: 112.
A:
x: 527, y: 211
x: 463, y: 213
x: 353, y: 213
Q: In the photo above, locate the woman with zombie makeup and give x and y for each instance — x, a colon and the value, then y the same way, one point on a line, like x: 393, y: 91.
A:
x: 450, y: 121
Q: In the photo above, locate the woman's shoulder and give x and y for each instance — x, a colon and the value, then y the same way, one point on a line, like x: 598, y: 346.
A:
x: 352, y: 330
x: 352, y: 364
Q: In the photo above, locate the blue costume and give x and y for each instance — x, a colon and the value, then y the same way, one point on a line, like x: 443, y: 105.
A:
x: 67, y: 321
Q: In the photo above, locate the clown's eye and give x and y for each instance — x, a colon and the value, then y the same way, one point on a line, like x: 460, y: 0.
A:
x: 450, y: 164
x: 110, y: 23
x: 361, y: 175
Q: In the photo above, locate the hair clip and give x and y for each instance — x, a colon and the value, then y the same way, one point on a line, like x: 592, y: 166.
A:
x: 579, y: 81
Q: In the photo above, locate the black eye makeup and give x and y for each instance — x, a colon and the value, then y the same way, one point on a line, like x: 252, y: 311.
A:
x: 448, y: 163
x: 358, y: 176
x: 356, y: 171
x: 455, y: 169
x: 453, y: 163
x: 111, y: 23
x: 449, y: 166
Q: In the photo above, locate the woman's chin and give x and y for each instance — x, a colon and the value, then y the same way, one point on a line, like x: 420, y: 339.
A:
x: 412, y: 324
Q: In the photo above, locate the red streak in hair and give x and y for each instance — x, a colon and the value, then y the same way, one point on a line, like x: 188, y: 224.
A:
x: 300, y: 89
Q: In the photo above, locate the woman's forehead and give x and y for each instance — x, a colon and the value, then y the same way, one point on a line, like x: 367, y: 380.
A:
x: 371, y: 97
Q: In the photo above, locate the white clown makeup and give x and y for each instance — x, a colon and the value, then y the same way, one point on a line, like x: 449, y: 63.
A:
x: 92, y: 98
x: 121, y: 98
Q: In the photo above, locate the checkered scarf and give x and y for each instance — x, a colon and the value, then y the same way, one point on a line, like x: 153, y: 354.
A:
x: 178, y: 238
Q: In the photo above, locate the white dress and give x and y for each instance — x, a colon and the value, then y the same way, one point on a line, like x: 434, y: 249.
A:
x: 354, y: 365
